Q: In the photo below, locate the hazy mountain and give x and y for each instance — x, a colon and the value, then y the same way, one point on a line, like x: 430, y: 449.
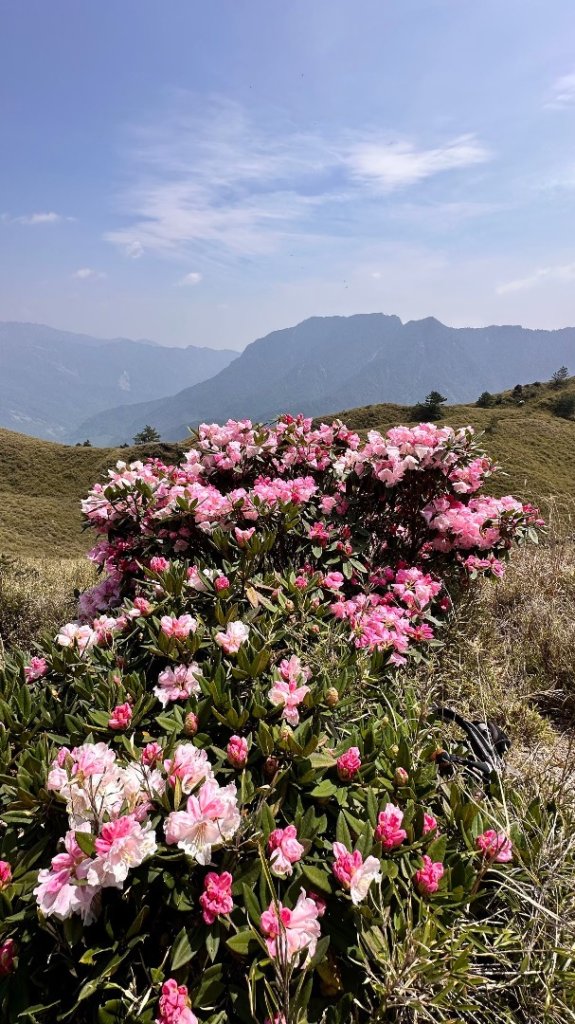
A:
x: 330, y: 363
x: 51, y: 380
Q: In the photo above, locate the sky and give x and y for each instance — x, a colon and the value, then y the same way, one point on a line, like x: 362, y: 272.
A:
x: 206, y: 171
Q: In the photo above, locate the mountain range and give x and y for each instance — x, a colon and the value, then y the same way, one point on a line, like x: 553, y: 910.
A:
x: 330, y: 363
x: 51, y: 380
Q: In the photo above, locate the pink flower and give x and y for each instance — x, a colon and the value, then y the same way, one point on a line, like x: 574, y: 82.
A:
x: 429, y: 823
x: 290, y: 932
x: 58, y: 892
x: 5, y: 874
x: 221, y: 583
x: 210, y: 819
x: 353, y: 873
x: 333, y: 581
x: 121, y: 845
x: 190, y: 765
x: 495, y: 846
x: 216, y: 898
x: 319, y: 902
x: 244, y: 536
x: 288, y: 696
x: 151, y: 754
x: 428, y: 877
x: 35, y: 669
x: 73, y: 635
x: 180, y: 628
x: 348, y: 764
x: 177, y: 683
x: 174, y: 1005
x: 7, y: 954
x: 121, y: 716
x: 235, y: 635
x: 285, y: 850
x: 159, y: 564
x: 389, y: 831
x: 237, y: 751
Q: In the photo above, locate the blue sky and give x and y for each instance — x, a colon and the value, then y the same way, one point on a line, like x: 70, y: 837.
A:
x: 205, y: 171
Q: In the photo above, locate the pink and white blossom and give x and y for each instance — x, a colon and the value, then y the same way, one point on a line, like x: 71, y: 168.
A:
x: 211, y: 818
x: 235, y: 635
x: 354, y: 873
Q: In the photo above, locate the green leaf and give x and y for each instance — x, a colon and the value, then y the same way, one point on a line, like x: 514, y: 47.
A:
x: 240, y: 943
x: 182, y: 951
x: 86, y: 842
x: 318, y: 878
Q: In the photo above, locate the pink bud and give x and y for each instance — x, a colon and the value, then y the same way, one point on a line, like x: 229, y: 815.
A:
x: 348, y: 764
x: 151, y: 754
x: 7, y: 954
x: 237, y: 751
x: 5, y: 874
x: 221, y: 583
x: 121, y: 716
x: 401, y: 777
x: 191, y: 724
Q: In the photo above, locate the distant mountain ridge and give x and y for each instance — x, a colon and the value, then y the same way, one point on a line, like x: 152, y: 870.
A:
x: 328, y: 363
x: 51, y: 380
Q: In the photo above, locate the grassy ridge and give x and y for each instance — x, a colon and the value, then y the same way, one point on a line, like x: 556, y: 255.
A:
x: 41, y: 483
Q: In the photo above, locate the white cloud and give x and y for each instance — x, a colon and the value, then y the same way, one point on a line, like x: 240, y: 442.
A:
x: 134, y: 250
x: 562, y: 93
x: 88, y: 274
x: 213, y: 183
x: 33, y: 219
x: 563, y: 273
x: 192, y: 278
x: 395, y: 165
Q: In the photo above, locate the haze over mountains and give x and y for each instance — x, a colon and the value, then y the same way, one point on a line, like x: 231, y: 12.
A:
x: 326, y: 364
x: 51, y: 380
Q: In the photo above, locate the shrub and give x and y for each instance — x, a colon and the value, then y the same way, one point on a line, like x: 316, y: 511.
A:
x: 215, y: 784
x: 564, y: 407
x: 485, y: 400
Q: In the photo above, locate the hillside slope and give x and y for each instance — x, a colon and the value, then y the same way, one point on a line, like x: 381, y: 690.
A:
x: 41, y: 483
x: 51, y: 380
x: 327, y: 363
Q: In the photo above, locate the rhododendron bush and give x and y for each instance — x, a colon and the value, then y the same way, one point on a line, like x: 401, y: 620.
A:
x: 220, y: 801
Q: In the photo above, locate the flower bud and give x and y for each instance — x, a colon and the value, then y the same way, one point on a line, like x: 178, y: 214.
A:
x: 394, y: 750
x: 191, y: 724
x: 285, y: 733
x: 5, y: 874
x: 237, y: 751
x: 271, y: 765
x: 401, y: 777
x: 332, y: 697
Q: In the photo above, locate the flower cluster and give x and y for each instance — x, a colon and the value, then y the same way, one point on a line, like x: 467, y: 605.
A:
x: 232, y: 802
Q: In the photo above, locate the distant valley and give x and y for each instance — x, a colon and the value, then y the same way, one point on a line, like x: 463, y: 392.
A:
x: 51, y: 380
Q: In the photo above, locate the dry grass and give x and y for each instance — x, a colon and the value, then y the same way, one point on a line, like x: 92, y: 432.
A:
x: 37, y: 595
x: 510, y: 650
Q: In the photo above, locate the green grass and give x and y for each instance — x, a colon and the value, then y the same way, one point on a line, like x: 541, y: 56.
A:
x: 41, y: 485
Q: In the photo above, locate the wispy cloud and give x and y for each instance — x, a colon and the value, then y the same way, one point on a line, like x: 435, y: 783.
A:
x: 563, y: 273
x: 396, y: 165
x: 562, y: 93
x: 34, y: 219
x: 192, y: 279
x: 214, y: 184
x: 89, y: 274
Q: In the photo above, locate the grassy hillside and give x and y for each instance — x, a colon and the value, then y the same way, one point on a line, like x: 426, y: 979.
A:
x: 41, y: 483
